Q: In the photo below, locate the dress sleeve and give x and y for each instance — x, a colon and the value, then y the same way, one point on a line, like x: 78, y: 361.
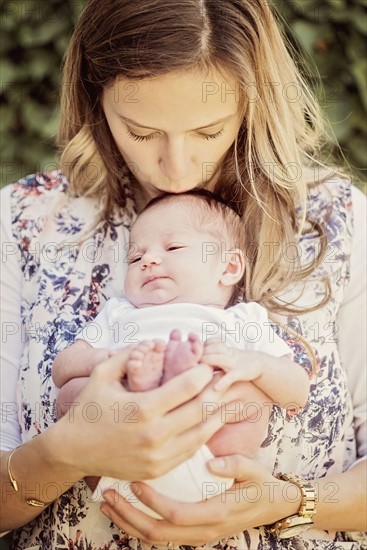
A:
x: 11, y: 328
x: 352, y: 323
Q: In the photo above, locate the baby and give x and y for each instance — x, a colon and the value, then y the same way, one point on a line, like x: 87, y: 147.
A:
x: 185, y: 266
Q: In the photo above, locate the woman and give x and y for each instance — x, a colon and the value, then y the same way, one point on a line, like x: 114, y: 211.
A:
x: 163, y: 96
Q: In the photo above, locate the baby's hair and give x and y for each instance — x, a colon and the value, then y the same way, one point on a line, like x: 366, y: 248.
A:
x: 208, y: 205
x: 215, y: 216
x: 204, y: 193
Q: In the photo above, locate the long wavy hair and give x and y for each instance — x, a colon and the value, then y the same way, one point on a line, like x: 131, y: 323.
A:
x: 266, y: 172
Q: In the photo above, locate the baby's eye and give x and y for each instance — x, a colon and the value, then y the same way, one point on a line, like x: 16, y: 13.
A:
x: 174, y: 247
x: 134, y: 260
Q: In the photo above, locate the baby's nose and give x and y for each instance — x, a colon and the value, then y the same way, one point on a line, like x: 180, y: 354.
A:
x: 149, y: 261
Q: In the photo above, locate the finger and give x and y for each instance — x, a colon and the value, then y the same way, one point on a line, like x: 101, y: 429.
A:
x: 195, y: 438
x: 153, y: 531
x: 187, y: 442
x: 179, y: 390
x: 197, y: 414
x: 176, y: 391
x: 119, y: 521
x: 113, y: 368
x: 216, y: 347
x: 209, y: 511
x: 221, y: 362
x: 213, y: 341
x: 238, y: 467
x: 174, y: 511
x: 228, y: 379
x: 217, y: 360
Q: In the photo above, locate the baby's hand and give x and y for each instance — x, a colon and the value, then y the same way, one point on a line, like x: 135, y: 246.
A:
x: 217, y: 354
x: 239, y: 365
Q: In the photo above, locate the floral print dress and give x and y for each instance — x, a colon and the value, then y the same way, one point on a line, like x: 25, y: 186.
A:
x: 70, y: 268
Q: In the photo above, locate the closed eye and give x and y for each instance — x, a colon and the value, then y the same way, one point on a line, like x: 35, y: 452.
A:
x: 212, y: 136
x: 136, y: 137
x: 175, y: 247
x: 153, y: 135
x: 134, y: 260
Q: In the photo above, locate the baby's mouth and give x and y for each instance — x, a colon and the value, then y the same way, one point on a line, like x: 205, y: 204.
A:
x: 151, y: 278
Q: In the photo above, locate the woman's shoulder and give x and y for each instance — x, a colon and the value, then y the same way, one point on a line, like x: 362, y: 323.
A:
x: 335, y: 205
x: 39, y: 184
x: 38, y: 199
x: 331, y: 195
x: 31, y: 196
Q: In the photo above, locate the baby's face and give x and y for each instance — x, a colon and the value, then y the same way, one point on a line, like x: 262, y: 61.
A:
x: 169, y: 261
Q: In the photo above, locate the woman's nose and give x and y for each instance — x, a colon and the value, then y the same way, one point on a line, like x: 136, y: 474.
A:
x: 175, y: 161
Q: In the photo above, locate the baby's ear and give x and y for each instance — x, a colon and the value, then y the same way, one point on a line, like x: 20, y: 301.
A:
x: 234, y: 267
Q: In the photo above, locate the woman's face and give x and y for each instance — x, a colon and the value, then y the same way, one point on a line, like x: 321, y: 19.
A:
x: 174, y: 131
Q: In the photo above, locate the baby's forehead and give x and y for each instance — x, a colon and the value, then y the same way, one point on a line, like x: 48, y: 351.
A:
x: 182, y: 216
x: 146, y: 233
x: 169, y: 215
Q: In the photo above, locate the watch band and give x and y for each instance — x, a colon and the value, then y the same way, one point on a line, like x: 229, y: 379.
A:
x: 308, y: 491
x: 301, y: 522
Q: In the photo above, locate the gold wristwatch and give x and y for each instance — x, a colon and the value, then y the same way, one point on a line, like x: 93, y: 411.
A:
x: 299, y: 523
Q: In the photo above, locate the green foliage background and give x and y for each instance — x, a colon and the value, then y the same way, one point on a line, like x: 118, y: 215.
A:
x: 331, y: 36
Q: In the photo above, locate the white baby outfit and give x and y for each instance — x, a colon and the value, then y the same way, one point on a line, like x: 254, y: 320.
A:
x: 244, y: 326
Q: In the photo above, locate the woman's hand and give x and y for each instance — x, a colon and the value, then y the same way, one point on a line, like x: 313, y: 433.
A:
x: 140, y: 435
x: 256, y: 498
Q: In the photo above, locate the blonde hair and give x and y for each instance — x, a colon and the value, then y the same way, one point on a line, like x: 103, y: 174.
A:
x: 282, y: 126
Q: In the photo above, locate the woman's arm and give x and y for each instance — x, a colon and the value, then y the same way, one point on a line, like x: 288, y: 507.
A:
x: 351, y: 323
x: 12, y: 332
x: 157, y: 430
x: 41, y: 473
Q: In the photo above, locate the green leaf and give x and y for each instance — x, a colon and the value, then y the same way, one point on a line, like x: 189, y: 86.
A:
x: 41, y: 63
x: 43, y: 34
x: 359, y: 20
x: 339, y: 116
x: 36, y: 117
x: 308, y: 34
x: 336, y: 3
x: 359, y: 70
x: 61, y: 44
x: 357, y: 145
x: 299, y: 5
x: 77, y: 8
x: 49, y: 129
x: 8, y: 71
x: 6, y: 117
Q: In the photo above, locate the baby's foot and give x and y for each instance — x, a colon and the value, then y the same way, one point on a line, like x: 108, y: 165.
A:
x: 145, y: 365
x: 181, y: 356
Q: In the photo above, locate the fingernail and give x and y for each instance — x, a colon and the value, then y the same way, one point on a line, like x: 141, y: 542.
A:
x: 108, y: 498
x: 135, y: 488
